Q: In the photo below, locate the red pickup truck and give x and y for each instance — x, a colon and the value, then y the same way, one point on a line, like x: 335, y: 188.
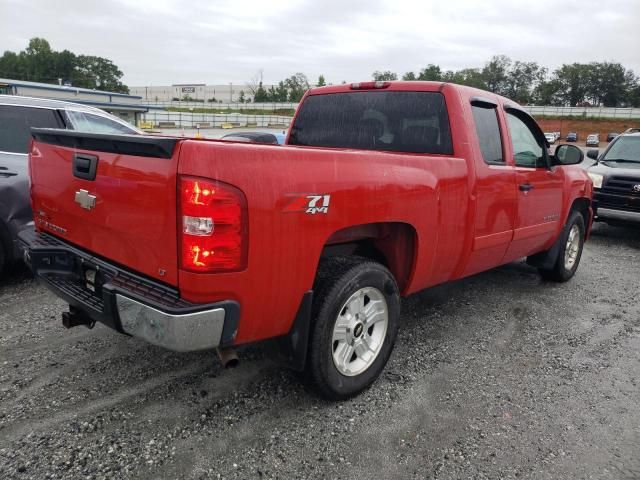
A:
x: 381, y: 190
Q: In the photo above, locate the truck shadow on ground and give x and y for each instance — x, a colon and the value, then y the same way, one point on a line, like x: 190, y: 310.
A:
x: 625, y: 235
x: 15, y: 274
x: 122, y: 387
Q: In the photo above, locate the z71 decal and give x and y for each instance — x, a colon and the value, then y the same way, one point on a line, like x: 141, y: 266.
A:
x: 311, y: 204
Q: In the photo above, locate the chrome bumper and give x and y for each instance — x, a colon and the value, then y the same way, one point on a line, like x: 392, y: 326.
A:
x: 126, y: 301
x: 182, y: 333
x: 619, y: 215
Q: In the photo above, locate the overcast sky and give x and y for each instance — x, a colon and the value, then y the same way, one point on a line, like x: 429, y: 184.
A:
x: 160, y: 42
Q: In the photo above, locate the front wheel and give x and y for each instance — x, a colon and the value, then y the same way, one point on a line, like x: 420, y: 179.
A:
x: 356, y: 312
x: 571, y: 245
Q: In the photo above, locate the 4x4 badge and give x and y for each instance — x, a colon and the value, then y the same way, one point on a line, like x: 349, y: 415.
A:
x: 310, y: 204
x: 85, y: 199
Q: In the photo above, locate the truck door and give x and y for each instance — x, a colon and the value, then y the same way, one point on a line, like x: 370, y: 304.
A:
x: 496, y: 201
x: 538, y: 187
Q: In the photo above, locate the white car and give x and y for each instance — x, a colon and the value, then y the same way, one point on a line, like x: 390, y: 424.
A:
x: 551, y: 138
x: 593, y: 140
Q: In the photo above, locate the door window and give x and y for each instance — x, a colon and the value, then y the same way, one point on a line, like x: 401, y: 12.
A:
x: 16, y: 123
x: 527, y: 150
x: 488, y: 132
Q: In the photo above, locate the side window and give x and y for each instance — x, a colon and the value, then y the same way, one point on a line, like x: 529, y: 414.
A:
x: 488, y: 131
x: 526, y: 149
x: 16, y: 123
x: 86, y: 122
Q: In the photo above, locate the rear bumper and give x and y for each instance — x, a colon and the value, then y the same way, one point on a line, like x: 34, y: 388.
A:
x: 125, y: 301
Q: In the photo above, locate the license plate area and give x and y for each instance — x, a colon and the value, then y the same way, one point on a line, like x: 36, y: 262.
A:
x: 90, y: 276
x: 64, y: 264
x: 633, y: 202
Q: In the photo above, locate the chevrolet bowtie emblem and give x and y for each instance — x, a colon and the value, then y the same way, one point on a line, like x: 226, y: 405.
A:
x: 85, y: 199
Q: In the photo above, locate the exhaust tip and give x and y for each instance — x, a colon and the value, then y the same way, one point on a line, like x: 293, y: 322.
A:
x: 228, y: 357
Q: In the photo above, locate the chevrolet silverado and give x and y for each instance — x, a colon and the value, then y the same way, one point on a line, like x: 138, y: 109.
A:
x: 382, y: 189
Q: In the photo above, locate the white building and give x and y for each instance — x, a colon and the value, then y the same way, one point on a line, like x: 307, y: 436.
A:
x: 227, y: 93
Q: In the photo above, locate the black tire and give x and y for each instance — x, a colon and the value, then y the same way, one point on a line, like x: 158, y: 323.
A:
x: 559, y: 272
x: 5, y: 244
x: 3, y: 257
x: 337, y: 280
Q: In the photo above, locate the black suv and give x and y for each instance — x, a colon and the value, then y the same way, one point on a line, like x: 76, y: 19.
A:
x: 616, y: 180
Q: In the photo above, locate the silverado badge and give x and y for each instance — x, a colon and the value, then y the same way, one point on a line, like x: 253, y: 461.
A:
x: 85, y: 199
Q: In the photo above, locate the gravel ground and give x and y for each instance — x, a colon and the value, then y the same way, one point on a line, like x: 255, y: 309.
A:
x: 496, y: 376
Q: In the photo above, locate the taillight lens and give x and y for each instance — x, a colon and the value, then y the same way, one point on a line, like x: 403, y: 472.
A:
x: 213, y: 223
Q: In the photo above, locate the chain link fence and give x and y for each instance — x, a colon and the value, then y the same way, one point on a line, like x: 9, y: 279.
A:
x: 584, y: 112
x: 164, y: 120
x: 268, y: 106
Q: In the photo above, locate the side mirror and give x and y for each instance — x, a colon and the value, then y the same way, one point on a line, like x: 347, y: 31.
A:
x: 568, y: 155
x: 593, y: 153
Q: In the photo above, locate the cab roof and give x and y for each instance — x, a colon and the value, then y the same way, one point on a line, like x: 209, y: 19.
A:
x: 415, y: 86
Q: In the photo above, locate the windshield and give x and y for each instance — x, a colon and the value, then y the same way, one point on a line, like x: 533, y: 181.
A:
x: 625, y: 149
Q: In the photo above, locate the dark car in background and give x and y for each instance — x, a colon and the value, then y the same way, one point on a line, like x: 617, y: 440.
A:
x: 256, y: 137
x: 17, y: 116
x: 616, y: 180
x: 572, y: 137
x: 611, y: 136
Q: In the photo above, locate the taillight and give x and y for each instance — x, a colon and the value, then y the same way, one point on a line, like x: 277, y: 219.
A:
x: 213, y: 223
x: 369, y: 85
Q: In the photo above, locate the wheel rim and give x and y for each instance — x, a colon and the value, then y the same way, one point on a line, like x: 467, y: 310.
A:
x: 573, y: 248
x: 359, y: 331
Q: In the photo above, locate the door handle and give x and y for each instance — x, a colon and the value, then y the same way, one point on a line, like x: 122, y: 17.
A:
x: 5, y: 173
x: 525, y: 187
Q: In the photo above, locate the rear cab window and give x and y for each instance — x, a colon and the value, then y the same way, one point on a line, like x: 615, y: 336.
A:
x: 16, y: 123
x: 396, y: 121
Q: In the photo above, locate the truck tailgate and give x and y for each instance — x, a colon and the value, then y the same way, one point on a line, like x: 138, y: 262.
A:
x: 124, y: 210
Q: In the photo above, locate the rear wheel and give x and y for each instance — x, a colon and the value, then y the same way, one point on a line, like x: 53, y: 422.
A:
x: 355, y: 322
x: 571, y: 245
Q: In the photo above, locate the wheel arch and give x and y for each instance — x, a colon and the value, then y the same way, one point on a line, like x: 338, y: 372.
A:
x: 582, y: 205
x: 394, y: 244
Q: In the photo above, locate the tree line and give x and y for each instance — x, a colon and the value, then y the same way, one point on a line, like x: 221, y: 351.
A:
x: 605, y: 84
x: 39, y: 63
x: 288, y: 90
x: 608, y: 84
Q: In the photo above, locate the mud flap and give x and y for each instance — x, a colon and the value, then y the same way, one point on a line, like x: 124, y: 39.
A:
x: 547, y: 259
x: 293, y: 346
